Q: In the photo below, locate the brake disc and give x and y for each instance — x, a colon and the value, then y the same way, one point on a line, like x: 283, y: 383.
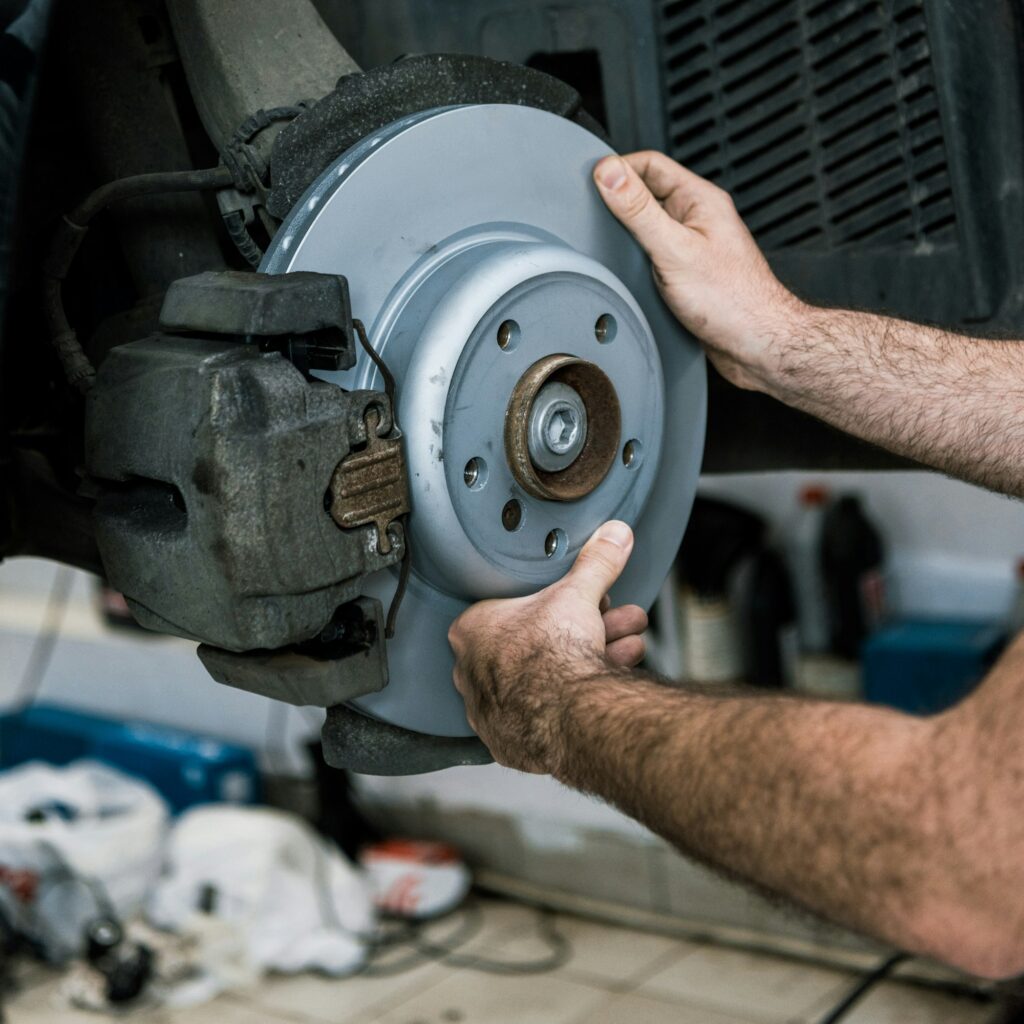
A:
x: 543, y: 387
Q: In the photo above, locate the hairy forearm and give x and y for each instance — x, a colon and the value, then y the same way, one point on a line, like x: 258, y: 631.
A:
x: 829, y: 805
x: 943, y: 399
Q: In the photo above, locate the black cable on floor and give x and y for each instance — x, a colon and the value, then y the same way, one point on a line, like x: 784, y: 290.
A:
x: 447, y: 950
x: 866, y: 983
x: 403, y: 936
x: 557, y: 943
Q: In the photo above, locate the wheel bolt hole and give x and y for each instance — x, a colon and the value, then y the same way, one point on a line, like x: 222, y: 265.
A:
x: 512, y: 515
x: 606, y: 328
x: 508, y: 335
x: 475, y: 474
x: 632, y: 454
x: 555, y: 544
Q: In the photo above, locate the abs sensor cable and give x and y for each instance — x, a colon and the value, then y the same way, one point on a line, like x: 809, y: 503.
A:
x: 69, y: 236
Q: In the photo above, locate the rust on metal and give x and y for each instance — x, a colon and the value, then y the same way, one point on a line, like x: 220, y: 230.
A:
x: 604, y: 425
x: 370, y: 485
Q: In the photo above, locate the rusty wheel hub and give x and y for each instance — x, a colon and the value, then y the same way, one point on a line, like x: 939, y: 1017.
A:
x: 562, y: 428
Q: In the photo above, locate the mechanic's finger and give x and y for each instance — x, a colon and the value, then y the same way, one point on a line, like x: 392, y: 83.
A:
x: 632, y: 202
x: 606, y: 603
x: 624, y: 621
x: 601, y: 562
x: 668, y: 179
x: 627, y: 652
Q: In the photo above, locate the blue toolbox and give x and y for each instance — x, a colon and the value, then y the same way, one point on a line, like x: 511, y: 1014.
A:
x: 926, y: 665
x: 186, y: 768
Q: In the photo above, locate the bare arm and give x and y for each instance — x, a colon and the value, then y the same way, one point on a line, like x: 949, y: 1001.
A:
x: 900, y: 828
x: 903, y: 828
x: 949, y: 401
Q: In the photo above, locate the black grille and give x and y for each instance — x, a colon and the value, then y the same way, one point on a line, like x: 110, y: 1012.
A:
x: 820, y: 116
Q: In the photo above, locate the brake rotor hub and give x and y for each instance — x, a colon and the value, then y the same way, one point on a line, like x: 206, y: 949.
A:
x: 562, y: 428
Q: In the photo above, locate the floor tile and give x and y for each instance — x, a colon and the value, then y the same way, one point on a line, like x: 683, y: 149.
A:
x: 341, y: 1000
x: 226, y: 1009
x: 905, y: 1004
x: 470, y: 997
x: 615, y: 976
x: 496, y: 921
x: 601, y: 955
x: 498, y: 931
x: 636, y: 1009
x: 750, y: 985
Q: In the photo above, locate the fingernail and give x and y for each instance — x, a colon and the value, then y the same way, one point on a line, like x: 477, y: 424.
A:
x: 611, y: 173
x: 616, y: 533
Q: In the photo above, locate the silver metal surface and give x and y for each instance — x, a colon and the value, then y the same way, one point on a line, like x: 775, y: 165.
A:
x: 558, y: 427
x: 475, y: 245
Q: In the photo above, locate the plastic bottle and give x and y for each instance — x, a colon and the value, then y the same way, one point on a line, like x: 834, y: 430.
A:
x: 712, y: 647
x: 852, y: 557
x: 719, y: 538
x: 771, y: 622
x: 803, y: 549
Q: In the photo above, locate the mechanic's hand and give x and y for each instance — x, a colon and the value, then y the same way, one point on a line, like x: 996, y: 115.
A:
x: 706, y: 263
x: 518, y: 661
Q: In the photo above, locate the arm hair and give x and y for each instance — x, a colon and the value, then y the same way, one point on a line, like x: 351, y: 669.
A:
x: 903, y: 828
x: 946, y: 400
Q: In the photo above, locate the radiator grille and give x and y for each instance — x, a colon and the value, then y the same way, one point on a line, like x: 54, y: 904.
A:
x: 820, y: 116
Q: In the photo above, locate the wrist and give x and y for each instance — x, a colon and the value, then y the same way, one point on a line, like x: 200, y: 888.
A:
x: 576, y: 680
x: 534, y: 698
x: 594, y: 707
x: 752, y: 344
x: 785, y: 355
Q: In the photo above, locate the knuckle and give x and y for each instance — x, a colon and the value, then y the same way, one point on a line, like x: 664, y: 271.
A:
x: 724, y: 199
x: 636, y: 201
x: 597, y: 556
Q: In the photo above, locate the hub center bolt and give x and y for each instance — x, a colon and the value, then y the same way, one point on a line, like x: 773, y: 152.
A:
x: 558, y: 427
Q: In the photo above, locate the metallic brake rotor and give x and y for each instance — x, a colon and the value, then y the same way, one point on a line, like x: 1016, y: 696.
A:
x: 543, y: 387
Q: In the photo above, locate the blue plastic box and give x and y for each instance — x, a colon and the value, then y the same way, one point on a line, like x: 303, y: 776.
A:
x: 926, y: 665
x: 186, y: 768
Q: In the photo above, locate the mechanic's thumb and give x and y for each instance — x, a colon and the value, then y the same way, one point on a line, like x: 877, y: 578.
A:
x: 633, y: 203
x: 601, y: 561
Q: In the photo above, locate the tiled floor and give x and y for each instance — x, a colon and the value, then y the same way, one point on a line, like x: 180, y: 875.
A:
x: 615, y: 976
